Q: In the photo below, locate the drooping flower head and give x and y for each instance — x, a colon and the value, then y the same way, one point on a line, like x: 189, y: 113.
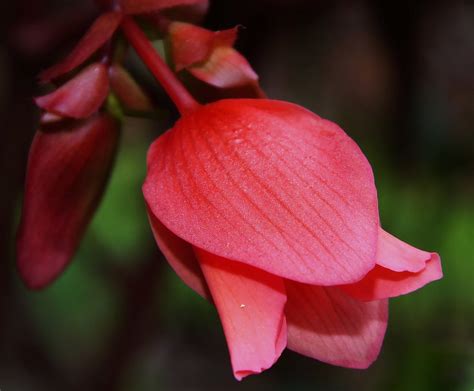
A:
x: 271, y: 211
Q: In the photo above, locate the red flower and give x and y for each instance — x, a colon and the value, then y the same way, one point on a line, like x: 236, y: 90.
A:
x: 271, y: 212
x: 68, y: 167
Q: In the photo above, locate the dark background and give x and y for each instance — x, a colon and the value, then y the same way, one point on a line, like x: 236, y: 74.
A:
x: 397, y: 76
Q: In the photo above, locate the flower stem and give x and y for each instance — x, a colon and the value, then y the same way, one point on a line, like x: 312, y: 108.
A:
x: 168, y: 80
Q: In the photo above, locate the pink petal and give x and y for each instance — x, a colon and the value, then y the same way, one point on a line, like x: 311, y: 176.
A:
x: 66, y: 176
x: 192, y: 44
x: 383, y: 283
x: 127, y: 90
x: 143, y: 6
x: 209, y: 56
x: 399, y: 256
x: 326, y: 324
x: 269, y: 184
x: 97, y: 35
x: 180, y: 256
x: 225, y: 68
x: 401, y: 269
x: 81, y: 96
x: 250, y: 303
x: 226, y: 37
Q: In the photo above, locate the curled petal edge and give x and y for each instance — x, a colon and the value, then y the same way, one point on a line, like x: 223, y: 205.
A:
x: 401, y: 269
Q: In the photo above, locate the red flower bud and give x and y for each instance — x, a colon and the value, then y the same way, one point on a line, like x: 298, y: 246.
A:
x: 193, y: 44
x: 81, y: 96
x: 278, y: 207
x: 67, y: 171
x: 209, y: 56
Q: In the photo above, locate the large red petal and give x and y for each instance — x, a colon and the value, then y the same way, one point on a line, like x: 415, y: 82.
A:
x: 180, y: 256
x: 269, y: 184
x: 326, y: 324
x: 81, y: 96
x: 400, y: 269
x: 97, y: 35
x: 250, y: 303
x: 143, y: 6
x: 225, y: 68
x: 66, y: 176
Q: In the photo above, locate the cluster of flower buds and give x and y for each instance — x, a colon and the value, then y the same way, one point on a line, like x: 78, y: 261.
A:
x: 73, y: 150
x: 260, y: 206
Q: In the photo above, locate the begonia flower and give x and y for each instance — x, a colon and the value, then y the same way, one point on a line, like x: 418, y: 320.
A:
x: 68, y: 167
x: 210, y: 57
x: 271, y: 212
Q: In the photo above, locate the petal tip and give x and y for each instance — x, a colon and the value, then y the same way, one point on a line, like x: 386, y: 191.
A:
x: 34, y: 275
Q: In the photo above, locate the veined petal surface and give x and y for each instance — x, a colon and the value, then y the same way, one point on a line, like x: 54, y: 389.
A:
x: 269, y: 184
x: 326, y: 324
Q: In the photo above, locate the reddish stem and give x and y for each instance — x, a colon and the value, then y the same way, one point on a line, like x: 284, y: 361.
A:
x: 168, y: 80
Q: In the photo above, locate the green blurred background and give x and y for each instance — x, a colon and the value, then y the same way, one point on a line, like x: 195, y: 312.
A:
x: 397, y: 76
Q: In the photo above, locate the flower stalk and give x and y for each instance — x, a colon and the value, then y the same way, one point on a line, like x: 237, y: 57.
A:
x: 168, y: 80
